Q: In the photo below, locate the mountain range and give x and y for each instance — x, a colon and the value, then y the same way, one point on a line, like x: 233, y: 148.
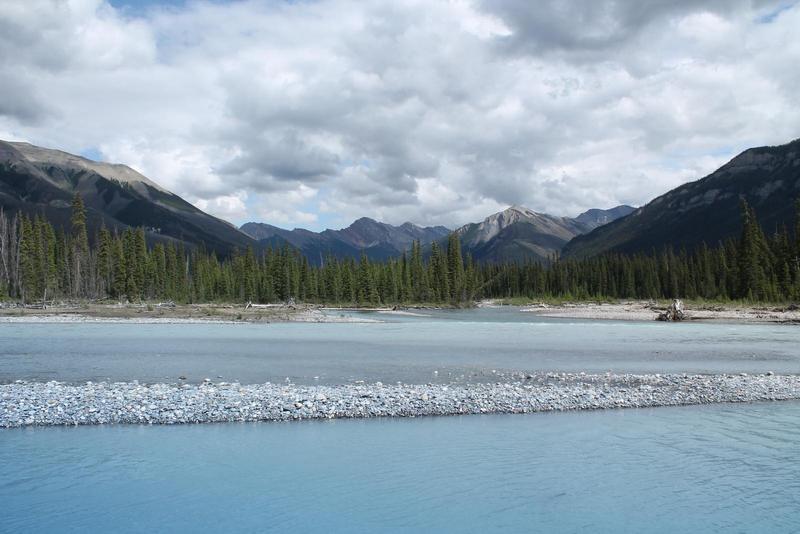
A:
x: 514, y: 234
x: 377, y: 240
x: 35, y: 180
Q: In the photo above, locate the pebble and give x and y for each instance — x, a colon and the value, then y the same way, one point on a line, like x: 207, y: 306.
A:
x: 55, y: 403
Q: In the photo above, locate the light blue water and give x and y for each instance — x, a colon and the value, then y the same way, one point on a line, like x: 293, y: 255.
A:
x: 443, y: 346
x: 698, y: 469
x: 724, y: 468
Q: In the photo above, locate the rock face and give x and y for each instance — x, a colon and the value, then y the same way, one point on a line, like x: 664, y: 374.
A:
x: 674, y: 312
x: 708, y: 210
x: 491, y: 227
x: 37, y: 180
x: 519, y: 233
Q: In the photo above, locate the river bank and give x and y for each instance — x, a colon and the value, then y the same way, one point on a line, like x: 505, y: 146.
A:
x: 648, y: 311
x: 175, y: 314
x: 54, y: 403
x: 312, y: 313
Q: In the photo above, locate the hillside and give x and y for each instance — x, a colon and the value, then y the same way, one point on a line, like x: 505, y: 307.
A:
x: 707, y: 210
x: 37, y: 180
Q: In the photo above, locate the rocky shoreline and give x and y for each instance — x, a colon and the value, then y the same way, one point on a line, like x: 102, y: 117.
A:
x: 198, y: 314
x: 649, y: 311
x: 310, y: 313
x: 54, y: 403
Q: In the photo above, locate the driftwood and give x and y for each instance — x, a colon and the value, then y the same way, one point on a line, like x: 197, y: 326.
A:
x: 288, y: 304
x: 262, y: 306
x: 674, y: 312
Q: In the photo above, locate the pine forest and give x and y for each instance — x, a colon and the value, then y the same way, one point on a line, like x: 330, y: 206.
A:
x: 39, y: 262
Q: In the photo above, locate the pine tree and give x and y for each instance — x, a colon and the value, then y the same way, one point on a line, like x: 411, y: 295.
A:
x: 27, y: 260
x: 455, y: 267
x: 139, y: 246
x: 49, y: 260
x: 105, y: 262
x: 80, y: 244
x: 120, y: 269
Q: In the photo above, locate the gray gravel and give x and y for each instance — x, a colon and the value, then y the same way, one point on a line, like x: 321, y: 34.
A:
x: 55, y: 403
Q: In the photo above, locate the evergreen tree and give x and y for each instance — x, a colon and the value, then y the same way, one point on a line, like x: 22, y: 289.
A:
x: 80, y: 244
x: 38, y: 262
x: 455, y: 267
x: 27, y: 260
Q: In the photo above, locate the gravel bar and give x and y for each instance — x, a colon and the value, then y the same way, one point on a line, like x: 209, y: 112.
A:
x: 55, y: 403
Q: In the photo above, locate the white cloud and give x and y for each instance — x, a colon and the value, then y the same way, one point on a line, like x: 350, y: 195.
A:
x: 286, y: 207
x: 435, y: 112
x: 225, y: 206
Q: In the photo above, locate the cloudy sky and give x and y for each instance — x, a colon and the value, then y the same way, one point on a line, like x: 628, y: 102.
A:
x: 311, y: 114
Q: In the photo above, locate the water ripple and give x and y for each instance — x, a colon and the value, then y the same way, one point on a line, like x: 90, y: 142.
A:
x: 698, y: 469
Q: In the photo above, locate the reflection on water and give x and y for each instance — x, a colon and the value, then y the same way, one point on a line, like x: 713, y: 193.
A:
x: 699, y: 469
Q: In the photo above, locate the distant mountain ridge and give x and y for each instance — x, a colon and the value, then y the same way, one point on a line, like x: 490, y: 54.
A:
x: 707, y: 210
x: 516, y: 233
x: 379, y: 241
x: 366, y: 233
x: 37, y: 180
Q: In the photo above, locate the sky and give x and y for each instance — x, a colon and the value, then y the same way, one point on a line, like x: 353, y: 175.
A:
x: 314, y: 113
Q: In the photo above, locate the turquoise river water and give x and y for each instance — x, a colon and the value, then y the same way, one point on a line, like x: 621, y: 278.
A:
x: 439, y: 346
x: 720, y: 468
x: 723, y: 468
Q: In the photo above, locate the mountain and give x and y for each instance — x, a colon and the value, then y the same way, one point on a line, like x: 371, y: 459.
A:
x: 366, y: 233
x: 37, y: 180
x: 707, y: 210
x: 519, y: 233
x: 594, y: 218
x: 377, y: 240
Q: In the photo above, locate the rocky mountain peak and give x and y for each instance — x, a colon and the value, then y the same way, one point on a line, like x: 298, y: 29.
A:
x: 492, y: 225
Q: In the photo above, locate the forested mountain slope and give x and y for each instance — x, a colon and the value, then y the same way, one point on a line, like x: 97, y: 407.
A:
x: 707, y: 210
x: 42, y: 181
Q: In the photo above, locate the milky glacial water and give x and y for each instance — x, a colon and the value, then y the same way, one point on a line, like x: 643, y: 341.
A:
x: 720, y: 468
x: 436, y: 346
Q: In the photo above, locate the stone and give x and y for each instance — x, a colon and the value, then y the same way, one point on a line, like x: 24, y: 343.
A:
x: 31, y: 403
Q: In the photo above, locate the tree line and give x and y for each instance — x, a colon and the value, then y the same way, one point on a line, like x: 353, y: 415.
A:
x: 751, y: 267
x: 40, y: 262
